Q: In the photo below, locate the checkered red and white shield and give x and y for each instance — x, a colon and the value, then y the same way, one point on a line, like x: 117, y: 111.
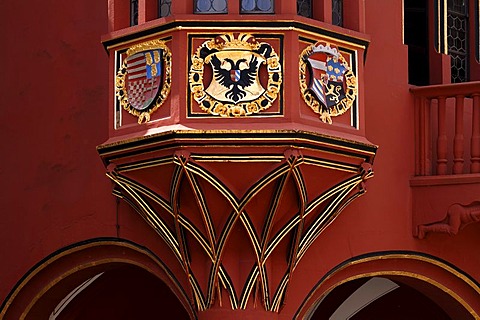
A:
x: 144, y: 74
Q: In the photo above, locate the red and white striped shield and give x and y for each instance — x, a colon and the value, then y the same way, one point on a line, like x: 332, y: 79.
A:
x: 144, y: 75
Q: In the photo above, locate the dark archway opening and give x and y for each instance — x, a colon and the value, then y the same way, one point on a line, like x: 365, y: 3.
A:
x: 405, y: 299
x: 123, y: 292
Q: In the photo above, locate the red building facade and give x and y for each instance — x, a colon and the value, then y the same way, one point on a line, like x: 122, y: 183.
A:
x: 258, y: 159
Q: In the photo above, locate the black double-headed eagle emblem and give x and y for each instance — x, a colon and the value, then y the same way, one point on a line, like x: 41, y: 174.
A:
x: 235, y: 75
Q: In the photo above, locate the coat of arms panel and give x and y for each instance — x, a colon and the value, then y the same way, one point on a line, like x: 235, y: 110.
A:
x: 235, y: 75
x: 328, y: 83
x: 143, y: 78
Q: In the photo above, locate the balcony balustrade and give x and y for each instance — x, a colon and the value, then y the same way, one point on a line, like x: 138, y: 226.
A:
x: 447, y: 151
x: 447, y: 119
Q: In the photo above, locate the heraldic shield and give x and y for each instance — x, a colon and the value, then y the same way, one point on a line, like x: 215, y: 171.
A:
x: 235, y: 88
x: 235, y: 76
x: 143, y: 82
x: 331, y: 87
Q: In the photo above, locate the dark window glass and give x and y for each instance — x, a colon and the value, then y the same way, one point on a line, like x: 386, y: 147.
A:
x: 416, y: 37
x: 337, y: 12
x: 256, y: 6
x: 304, y: 8
x: 133, y: 12
x: 457, y: 35
x: 477, y: 29
x: 211, y: 6
x: 164, y: 8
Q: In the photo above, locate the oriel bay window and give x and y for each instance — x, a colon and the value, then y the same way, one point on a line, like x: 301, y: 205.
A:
x: 329, y: 11
x: 210, y: 6
x: 304, y: 8
x: 151, y: 10
x: 164, y: 8
x: 256, y: 6
x: 246, y: 6
x: 325, y: 10
x: 349, y: 14
x: 337, y: 12
x: 133, y: 12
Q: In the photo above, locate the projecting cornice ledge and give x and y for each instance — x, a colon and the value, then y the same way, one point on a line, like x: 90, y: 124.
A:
x: 235, y: 138
x: 191, y: 22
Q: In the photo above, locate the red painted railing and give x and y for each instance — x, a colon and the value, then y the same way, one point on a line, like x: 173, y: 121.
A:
x: 447, y: 129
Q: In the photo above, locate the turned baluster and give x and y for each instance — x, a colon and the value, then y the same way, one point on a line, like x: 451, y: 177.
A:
x: 418, y: 130
x: 428, y: 137
x: 424, y: 148
x: 458, y: 148
x: 475, y: 143
x: 442, y: 137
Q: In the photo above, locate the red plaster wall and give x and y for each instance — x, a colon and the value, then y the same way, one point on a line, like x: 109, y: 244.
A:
x: 54, y: 93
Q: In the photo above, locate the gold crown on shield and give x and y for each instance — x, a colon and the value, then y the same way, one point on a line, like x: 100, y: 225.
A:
x: 326, y: 48
x: 229, y: 41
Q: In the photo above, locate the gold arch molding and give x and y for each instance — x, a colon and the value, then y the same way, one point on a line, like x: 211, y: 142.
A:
x: 381, y: 265
x: 82, y: 257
